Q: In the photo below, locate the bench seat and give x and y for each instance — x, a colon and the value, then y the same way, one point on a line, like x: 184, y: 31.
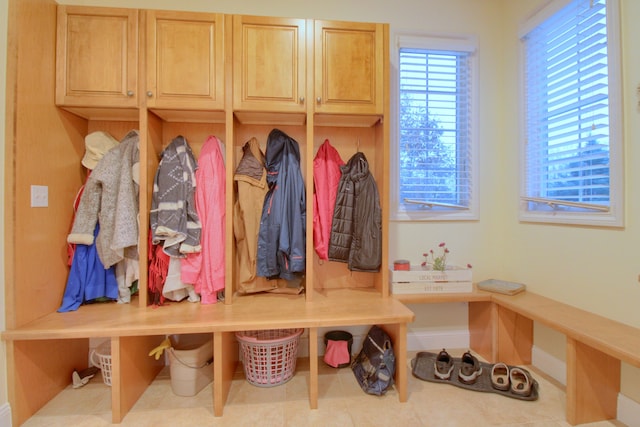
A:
x: 501, y: 330
x: 134, y: 331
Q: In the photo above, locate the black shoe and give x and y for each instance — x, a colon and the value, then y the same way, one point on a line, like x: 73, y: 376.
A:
x: 470, y: 369
x: 443, y: 365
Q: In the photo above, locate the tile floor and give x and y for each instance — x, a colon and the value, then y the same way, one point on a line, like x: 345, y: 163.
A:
x: 341, y: 403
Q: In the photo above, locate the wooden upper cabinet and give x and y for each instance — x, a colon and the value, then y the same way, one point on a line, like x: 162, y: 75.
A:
x: 97, y: 57
x: 269, y: 72
x: 349, y: 67
x: 184, y: 60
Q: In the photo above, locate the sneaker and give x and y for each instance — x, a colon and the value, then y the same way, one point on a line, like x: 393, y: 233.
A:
x: 443, y: 365
x: 470, y: 369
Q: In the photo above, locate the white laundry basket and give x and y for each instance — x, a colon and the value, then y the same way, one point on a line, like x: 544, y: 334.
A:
x: 190, y: 363
x: 269, y: 356
x: 101, y: 358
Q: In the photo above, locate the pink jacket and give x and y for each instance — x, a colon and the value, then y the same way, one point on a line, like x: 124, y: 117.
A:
x: 206, y: 269
x: 326, y: 176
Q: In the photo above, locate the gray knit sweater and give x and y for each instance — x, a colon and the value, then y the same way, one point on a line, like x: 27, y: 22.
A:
x: 173, y: 217
x: 110, y: 198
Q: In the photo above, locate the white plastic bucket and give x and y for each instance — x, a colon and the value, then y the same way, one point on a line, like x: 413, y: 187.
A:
x: 190, y: 363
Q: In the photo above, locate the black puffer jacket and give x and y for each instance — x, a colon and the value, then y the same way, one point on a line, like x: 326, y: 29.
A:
x: 356, y: 231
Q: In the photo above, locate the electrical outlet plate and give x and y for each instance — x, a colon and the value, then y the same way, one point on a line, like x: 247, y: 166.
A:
x: 39, y: 196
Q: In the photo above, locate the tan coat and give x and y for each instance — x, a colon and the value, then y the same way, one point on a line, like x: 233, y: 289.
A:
x: 251, y: 185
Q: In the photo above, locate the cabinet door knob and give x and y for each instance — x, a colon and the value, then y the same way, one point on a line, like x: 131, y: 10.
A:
x: 302, y: 100
x: 319, y: 100
x: 129, y: 93
x: 149, y: 94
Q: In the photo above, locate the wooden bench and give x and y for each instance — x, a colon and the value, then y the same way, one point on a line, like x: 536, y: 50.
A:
x: 501, y: 330
x: 134, y: 331
x: 500, y: 327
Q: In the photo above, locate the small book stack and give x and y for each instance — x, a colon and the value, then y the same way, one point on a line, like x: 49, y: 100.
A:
x: 501, y: 286
x: 419, y: 280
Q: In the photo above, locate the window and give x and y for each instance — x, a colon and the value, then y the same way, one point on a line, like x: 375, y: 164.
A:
x: 572, y: 161
x: 435, y: 156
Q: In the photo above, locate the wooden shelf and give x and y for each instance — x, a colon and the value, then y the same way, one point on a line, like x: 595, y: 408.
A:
x: 346, y: 120
x: 189, y: 116
x: 111, y: 114
x: 270, y: 118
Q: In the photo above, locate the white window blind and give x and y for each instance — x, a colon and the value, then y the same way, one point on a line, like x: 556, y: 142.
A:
x: 567, y: 111
x: 434, y: 129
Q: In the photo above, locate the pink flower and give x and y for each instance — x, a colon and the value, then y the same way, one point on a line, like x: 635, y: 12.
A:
x: 441, y: 245
x: 469, y: 266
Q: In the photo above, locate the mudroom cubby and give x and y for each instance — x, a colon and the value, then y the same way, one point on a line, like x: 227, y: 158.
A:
x: 73, y: 70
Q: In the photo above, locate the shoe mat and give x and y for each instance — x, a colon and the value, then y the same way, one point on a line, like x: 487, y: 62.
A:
x: 423, y: 367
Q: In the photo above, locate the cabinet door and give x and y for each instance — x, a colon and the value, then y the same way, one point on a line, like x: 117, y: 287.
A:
x: 269, y: 64
x: 185, y: 60
x: 349, y: 67
x: 97, y: 57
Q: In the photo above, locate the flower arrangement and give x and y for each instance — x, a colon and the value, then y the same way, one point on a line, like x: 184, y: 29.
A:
x: 435, y: 261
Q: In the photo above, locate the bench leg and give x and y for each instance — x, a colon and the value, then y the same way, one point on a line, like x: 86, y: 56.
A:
x: 38, y: 370
x: 398, y: 334
x: 225, y: 362
x: 313, y: 368
x: 132, y: 370
x: 593, y: 384
x: 514, y: 337
x: 481, y: 329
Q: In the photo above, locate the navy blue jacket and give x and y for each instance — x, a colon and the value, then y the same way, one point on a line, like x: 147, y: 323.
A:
x: 282, y: 236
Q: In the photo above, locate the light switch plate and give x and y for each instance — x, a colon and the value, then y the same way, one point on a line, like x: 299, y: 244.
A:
x: 39, y: 196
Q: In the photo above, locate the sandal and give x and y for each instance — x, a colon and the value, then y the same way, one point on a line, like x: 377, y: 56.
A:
x: 520, y: 382
x: 500, y: 376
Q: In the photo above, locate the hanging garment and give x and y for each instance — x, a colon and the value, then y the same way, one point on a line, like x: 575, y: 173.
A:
x: 110, y: 197
x: 251, y: 185
x: 71, y: 247
x: 356, y: 233
x: 281, y: 240
x: 174, y: 288
x: 127, y: 274
x: 88, y: 279
x: 326, y: 177
x: 206, y: 269
x: 158, y: 270
x: 173, y: 217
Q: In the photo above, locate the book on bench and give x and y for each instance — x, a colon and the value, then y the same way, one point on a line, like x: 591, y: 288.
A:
x: 501, y: 286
